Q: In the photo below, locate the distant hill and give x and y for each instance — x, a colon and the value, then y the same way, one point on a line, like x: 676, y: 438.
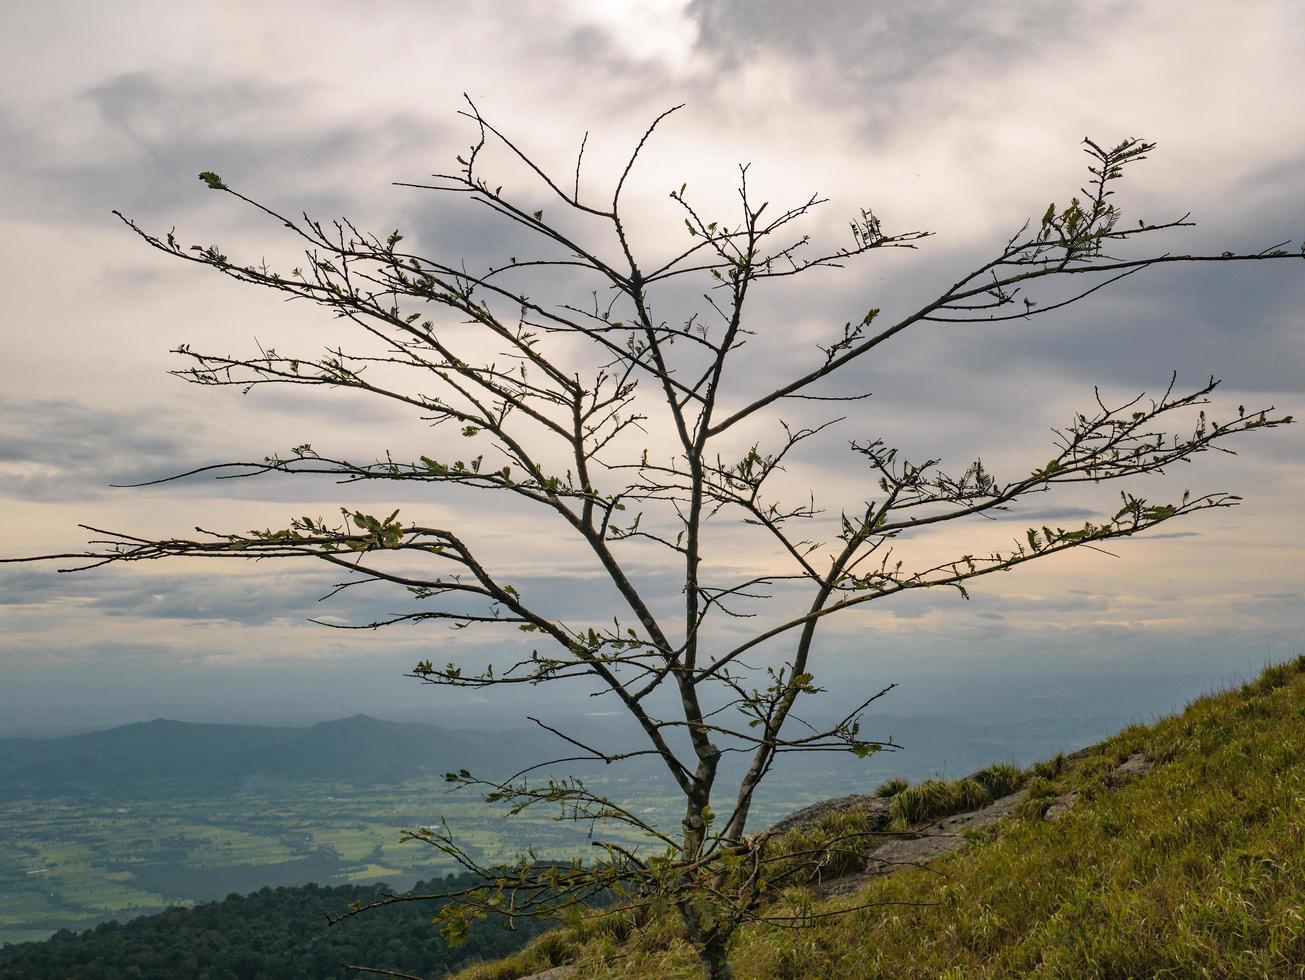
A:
x: 204, y: 758
x: 148, y: 758
x: 272, y: 934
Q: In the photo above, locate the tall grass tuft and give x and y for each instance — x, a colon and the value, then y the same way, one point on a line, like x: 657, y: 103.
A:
x: 891, y: 787
x: 1001, y: 779
x: 935, y: 798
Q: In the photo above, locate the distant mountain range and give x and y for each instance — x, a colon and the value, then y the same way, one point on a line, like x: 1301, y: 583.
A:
x: 359, y: 751
x: 205, y: 759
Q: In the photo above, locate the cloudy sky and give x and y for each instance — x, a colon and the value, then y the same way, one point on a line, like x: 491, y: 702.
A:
x: 958, y: 118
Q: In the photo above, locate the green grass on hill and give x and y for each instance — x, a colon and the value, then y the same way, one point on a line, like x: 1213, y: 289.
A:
x: 1196, y: 869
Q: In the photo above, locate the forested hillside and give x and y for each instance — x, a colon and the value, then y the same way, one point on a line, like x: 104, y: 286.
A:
x: 272, y: 934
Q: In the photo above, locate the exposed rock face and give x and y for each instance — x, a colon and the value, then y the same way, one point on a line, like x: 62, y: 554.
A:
x: 1131, y: 768
x: 876, y: 807
x: 939, y: 837
x: 1061, y: 807
x: 926, y: 842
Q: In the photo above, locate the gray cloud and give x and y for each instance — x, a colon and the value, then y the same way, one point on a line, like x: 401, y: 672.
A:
x: 68, y: 450
x: 862, y: 43
x: 1055, y: 514
x: 143, y: 138
x: 901, y: 66
x: 873, y: 61
x: 296, y: 591
x: 60, y: 449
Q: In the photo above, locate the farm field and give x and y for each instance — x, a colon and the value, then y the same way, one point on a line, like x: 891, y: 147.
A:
x: 71, y: 863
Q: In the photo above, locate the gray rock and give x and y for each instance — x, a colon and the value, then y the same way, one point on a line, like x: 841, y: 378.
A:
x: 927, y: 842
x: 556, y: 973
x: 875, y: 806
x: 1061, y: 807
x: 1132, y: 767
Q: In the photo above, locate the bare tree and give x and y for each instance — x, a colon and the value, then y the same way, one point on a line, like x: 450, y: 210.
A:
x: 558, y: 398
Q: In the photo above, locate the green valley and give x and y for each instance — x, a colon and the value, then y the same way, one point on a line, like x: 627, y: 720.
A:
x: 70, y: 863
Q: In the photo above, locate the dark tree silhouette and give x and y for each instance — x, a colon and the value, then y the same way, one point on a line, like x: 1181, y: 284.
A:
x: 557, y: 400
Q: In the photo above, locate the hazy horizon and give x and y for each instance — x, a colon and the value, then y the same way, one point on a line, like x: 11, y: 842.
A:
x: 1105, y: 698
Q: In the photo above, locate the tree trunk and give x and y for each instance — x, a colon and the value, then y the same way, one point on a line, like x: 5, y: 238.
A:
x: 715, y: 960
x: 711, y: 941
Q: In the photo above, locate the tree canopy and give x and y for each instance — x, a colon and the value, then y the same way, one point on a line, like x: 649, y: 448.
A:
x: 271, y: 934
x: 641, y: 435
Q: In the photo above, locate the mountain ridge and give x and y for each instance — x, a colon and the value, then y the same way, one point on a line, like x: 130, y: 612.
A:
x: 361, y: 750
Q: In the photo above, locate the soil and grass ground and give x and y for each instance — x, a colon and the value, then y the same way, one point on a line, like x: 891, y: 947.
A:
x: 1194, y: 867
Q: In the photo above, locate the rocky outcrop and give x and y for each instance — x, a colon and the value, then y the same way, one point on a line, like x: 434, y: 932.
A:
x: 1061, y: 807
x: 924, y: 843
x: 876, y: 808
x: 1131, y: 768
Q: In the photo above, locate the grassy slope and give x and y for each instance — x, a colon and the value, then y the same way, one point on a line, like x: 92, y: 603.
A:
x: 1195, y: 870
